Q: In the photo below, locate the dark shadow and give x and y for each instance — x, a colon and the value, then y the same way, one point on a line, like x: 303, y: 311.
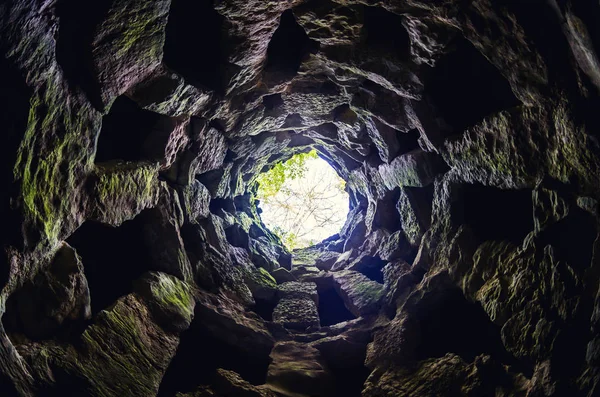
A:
x: 7, y: 386
x: 198, y: 357
x: 383, y: 31
x: 14, y: 99
x: 345, y: 114
x: 570, y: 348
x: 387, y: 215
x: 448, y: 323
x: 264, y: 308
x: 66, y: 384
x: 211, y: 179
x: 349, y: 382
x: 112, y: 257
x: 545, y: 32
x: 237, y: 237
x: 77, y: 25
x: 332, y: 309
x: 219, y: 204
x: 408, y: 141
x: 272, y: 102
x: 329, y: 88
x: 52, y: 305
x: 589, y: 12
x: 372, y: 268
x: 421, y: 200
x: 195, y: 45
x: 573, y: 238
x: 294, y: 120
x: 288, y: 47
x: 465, y: 87
x: 130, y: 133
x: 496, y: 214
x: 347, y: 365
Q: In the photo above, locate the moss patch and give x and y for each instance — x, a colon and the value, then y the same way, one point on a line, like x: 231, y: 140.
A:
x: 122, y: 190
x: 52, y: 159
x: 173, y: 293
x: 123, y: 344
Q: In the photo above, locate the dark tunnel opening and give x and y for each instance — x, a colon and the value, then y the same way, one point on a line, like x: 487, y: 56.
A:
x: 195, y: 44
x: 331, y: 308
x: 111, y: 256
x: 130, y: 133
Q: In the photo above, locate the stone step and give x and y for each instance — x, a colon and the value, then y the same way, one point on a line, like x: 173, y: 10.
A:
x: 298, y: 306
x: 298, y: 370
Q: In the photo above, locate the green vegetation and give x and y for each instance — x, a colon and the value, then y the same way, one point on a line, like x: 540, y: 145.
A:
x: 289, y: 239
x: 267, y: 278
x: 49, y: 156
x: 303, y: 200
x: 370, y: 290
x: 173, y: 293
x: 273, y: 181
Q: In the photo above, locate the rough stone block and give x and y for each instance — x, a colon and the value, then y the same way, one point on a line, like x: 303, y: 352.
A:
x: 297, y: 313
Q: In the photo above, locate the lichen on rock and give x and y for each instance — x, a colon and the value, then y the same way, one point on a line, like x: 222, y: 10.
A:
x: 134, y: 257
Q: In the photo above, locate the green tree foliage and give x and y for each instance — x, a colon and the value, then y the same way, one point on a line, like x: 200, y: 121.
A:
x: 271, y: 183
x: 294, y: 211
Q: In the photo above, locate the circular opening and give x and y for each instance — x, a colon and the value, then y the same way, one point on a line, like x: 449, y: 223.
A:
x: 303, y: 200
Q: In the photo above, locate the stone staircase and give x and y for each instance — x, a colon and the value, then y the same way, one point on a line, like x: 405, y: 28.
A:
x: 314, y: 360
x: 321, y: 324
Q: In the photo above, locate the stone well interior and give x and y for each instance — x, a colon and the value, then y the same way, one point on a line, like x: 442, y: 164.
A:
x: 134, y: 258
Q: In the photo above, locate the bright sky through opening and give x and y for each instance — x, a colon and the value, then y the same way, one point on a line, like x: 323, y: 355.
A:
x: 307, y: 209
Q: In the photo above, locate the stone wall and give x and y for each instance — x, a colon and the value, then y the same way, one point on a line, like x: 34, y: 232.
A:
x: 134, y: 261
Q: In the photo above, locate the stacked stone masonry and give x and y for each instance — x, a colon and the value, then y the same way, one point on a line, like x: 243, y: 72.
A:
x: 134, y: 261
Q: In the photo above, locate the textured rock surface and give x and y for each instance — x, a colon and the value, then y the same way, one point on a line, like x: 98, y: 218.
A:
x: 133, y: 258
x: 300, y: 313
x: 297, y: 368
x: 361, y: 295
x: 298, y: 290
